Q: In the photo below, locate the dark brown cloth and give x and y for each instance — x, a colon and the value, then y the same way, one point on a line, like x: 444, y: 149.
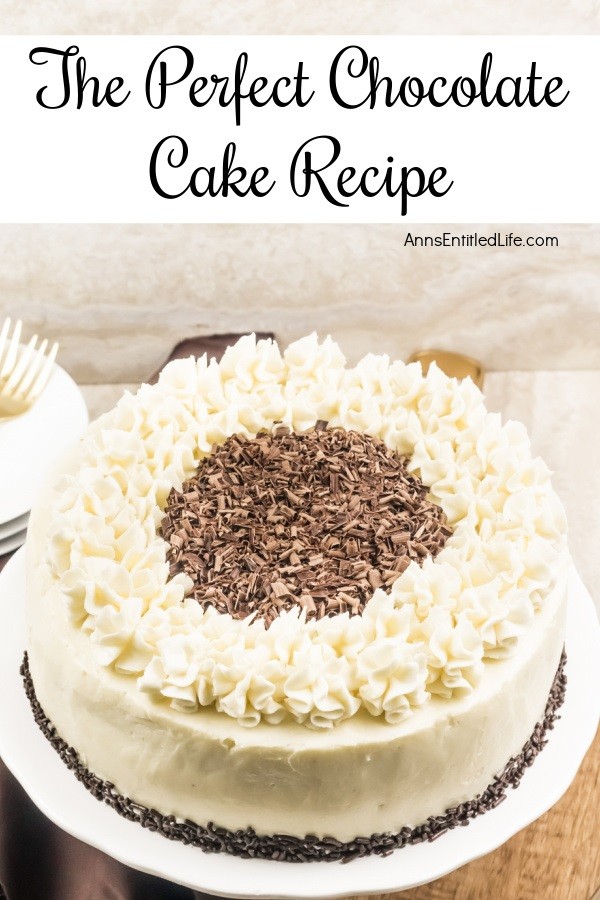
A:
x: 39, y: 861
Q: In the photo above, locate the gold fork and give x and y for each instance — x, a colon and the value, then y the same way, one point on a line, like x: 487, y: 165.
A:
x: 24, y: 371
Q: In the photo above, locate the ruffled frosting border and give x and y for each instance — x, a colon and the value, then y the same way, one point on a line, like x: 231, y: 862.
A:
x: 431, y: 634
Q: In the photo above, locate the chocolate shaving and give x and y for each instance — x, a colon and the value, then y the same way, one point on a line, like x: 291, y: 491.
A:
x: 328, y: 515
x: 245, y: 842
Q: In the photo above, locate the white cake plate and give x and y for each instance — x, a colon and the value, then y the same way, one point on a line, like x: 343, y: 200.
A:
x: 31, y: 443
x: 55, y: 791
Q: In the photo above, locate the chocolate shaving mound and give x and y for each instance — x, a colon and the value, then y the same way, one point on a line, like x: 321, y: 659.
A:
x: 317, y: 520
x: 246, y: 843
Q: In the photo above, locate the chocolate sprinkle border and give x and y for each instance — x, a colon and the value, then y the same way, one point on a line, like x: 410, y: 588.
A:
x: 247, y: 844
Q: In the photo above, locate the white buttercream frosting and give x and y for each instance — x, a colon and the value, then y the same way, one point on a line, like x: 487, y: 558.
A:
x: 430, y: 634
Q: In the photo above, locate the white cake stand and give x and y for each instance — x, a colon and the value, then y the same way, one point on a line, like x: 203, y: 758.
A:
x: 55, y: 791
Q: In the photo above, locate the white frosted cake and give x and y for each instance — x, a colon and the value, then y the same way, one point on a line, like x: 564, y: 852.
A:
x: 282, y: 607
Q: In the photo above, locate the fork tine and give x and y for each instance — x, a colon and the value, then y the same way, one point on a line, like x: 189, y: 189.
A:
x: 12, y: 384
x: 3, y: 335
x: 32, y: 371
x: 42, y: 379
x: 11, y: 353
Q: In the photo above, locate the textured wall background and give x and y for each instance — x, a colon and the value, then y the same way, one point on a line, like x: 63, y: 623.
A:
x: 309, y: 17
x: 118, y: 297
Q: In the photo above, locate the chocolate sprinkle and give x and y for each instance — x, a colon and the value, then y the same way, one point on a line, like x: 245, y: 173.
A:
x: 317, y: 520
x: 246, y: 843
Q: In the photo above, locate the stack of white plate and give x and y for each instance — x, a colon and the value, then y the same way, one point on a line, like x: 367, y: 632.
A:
x: 12, y: 534
x: 29, y: 446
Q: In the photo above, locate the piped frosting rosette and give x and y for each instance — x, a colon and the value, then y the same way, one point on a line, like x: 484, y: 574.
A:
x: 430, y: 634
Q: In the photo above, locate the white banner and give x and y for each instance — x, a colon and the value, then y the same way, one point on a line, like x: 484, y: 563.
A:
x: 299, y: 129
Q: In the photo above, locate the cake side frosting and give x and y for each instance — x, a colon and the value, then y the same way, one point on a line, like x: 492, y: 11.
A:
x: 363, y: 776
x: 432, y: 634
